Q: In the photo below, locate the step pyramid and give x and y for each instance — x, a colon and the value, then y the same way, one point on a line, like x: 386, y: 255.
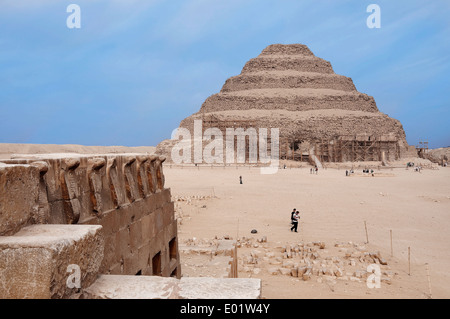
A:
x: 317, y: 111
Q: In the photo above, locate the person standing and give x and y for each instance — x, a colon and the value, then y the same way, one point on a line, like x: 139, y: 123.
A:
x: 240, y: 179
x: 294, y: 220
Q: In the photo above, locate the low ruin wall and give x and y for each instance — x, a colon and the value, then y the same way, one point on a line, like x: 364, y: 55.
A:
x: 124, y: 193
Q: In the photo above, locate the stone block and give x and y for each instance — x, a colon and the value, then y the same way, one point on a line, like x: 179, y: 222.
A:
x: 109, y: 251
x: 139, y: 209
x: 123, y: 216
x: 273, y: 271
x: 115, y: 269
x: 108, y: 223
x: 256, y: 271
x: 166, y: 196
x: 34, y: 262
x: 135, y: 235
x: 285, y: 271
x: 159, y: 219
x: 158, y: 199
x: 155, y: 287
x: 132, y: 287
x: 169, y: 212
x: 150, y: 203
x: 144, y: 258
x: 288, y: 264
x: 338, y: 272
x: 131, y: 264
x: 146, y: 228
x: 219, y: 288
x: 226, y: 247
x: 307, y: 275
x: 301, y: 271
x: 19, y: 197
x: 122, y: 243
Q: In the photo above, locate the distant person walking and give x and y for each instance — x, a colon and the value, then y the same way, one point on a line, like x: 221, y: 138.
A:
x: 240, y: 179
x: 294, y: 220
x: 317, y: 170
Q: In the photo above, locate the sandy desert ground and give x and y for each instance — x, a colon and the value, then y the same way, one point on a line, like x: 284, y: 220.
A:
x: 415, y: 206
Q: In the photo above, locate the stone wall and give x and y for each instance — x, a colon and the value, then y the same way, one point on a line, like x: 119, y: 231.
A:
x: 124, y: 193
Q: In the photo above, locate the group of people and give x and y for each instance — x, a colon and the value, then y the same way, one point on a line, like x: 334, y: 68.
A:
x: 366, y: 170
x: 314, y: 170
x: 417, y: 168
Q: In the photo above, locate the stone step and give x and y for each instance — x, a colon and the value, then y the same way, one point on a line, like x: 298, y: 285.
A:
x: 155, y: 287
x: 42, y: 261
x: 132, y: 287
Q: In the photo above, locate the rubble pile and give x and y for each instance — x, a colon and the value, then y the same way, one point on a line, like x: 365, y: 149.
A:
x: 309, y: 260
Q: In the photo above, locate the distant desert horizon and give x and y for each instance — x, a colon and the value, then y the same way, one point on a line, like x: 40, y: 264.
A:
x: 8, y: 149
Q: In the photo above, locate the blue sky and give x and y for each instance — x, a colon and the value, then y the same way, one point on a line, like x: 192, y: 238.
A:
x: 136, y: 68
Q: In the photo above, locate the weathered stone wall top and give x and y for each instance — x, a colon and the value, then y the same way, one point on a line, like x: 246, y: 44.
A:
x: 123, y: 195
x: 72, y: 188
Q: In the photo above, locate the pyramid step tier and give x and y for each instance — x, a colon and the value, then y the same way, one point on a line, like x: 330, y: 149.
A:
x: 290, y: 99
x: 308, y: 125
x: 287, y: 80
x: 282, y: 63
x: 292, y: 49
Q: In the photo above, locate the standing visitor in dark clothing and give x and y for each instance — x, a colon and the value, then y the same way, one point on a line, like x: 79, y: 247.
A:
x: 294, y: 220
